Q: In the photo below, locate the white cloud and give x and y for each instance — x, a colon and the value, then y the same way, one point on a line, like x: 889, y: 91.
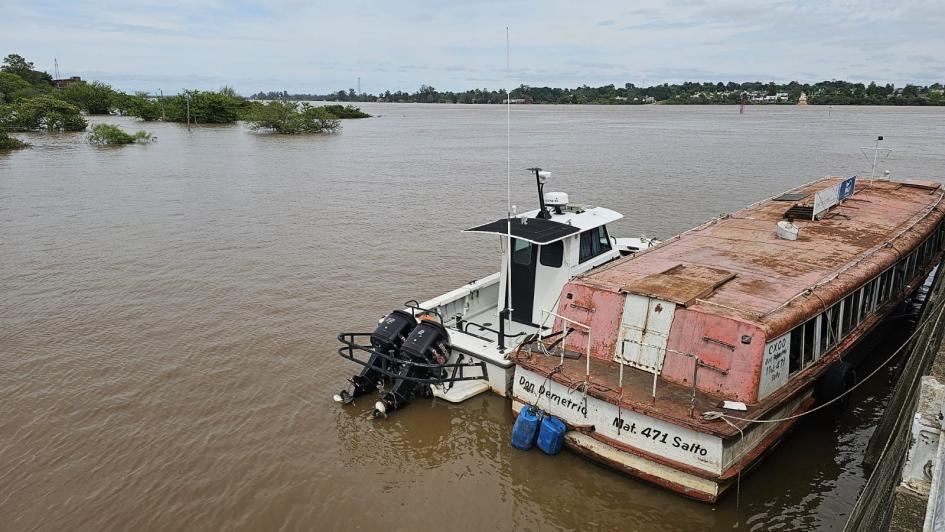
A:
x: 450, y: 44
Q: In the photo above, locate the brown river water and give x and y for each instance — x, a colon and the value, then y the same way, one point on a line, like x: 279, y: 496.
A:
x: 168, y: 316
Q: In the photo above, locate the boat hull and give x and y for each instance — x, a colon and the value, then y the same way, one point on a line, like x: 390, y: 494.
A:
x: 698, y: 465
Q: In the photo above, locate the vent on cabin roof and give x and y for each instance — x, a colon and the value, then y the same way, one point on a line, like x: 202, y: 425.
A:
x: 799, y: 212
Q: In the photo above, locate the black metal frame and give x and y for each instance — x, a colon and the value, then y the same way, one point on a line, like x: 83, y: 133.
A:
x: 414, y: 306
x: 352, y: 345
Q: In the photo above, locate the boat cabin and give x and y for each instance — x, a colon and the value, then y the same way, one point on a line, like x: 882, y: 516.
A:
x: 547, y: 252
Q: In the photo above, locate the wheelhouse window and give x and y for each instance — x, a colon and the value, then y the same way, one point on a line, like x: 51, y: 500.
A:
x: 521, y: 252
x: 593, y: 243
x: 552, y: 255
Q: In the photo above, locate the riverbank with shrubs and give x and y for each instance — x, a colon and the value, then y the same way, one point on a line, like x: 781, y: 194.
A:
x: 30, y: 100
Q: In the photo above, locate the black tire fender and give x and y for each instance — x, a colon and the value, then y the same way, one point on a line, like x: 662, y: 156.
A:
x: 839, y: 378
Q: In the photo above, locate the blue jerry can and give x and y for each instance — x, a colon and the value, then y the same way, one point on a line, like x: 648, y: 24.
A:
x: 525, y: 429
x: 551, y: 436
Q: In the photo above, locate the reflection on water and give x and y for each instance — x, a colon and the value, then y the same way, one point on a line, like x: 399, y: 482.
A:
x: 169, y: 316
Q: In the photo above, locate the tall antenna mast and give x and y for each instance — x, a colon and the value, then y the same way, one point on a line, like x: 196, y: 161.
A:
x: 508, y: 188
x: 56, y: 67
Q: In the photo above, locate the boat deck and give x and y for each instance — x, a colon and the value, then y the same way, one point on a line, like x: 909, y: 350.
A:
x: 671, y: 404
x: 737, y: 266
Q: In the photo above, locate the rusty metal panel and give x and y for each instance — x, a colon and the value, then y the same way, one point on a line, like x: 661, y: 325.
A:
x: 681, y: 284
x: 601, y: 309
x: 718, y: 342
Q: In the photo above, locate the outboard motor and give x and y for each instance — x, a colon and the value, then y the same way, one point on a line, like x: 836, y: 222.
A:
x: 387, y: 338
x: 427, y: 345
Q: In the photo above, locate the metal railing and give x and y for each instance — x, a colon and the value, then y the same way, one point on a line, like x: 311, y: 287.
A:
x: 568, y: 330
x: 393, y: 366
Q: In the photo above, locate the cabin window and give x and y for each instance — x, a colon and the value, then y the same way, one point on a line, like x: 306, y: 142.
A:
x: 851, y: 311
x: 797, y: 346
x: 829, y: 329
x: 593, y: 243
x: 552, y: 255
x: 881, y: 289
x: 835, y: 325
x: 868, y: 292
x: 802, y: 346
x: 888, y: 277
x: 810, y: 331
x: 900, y: 276
x: 521, y: 252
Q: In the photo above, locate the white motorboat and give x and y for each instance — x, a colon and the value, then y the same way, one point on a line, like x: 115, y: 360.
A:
x: 458, y: 344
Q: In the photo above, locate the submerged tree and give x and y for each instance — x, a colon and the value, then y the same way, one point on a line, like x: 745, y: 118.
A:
x: 140, y: 106
x: 345, y: 111
x: 110, y: 135
x: 42, y: 113
x: 290, y: 118
x: 94, y: 98
x: 10, y: 143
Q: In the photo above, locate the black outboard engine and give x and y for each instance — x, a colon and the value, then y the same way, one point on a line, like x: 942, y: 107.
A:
x: 387, y: 338
x: 426, y: 350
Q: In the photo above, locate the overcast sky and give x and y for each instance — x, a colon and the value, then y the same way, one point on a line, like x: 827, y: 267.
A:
x: 317, y: 47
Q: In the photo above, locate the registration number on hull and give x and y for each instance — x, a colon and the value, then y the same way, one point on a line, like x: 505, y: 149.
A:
x: 630, y: 428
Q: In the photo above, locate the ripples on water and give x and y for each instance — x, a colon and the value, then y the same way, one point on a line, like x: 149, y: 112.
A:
x: 168, y: 316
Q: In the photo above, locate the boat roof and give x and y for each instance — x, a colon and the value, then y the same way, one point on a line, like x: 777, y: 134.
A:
x: 737, y: 266
x: 527, y: 226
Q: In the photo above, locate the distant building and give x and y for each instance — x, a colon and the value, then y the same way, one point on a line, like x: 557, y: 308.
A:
x: 802, y: 99
x: 61, y: 83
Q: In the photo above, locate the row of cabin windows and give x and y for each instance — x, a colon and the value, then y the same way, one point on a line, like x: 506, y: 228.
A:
x: 594, y: 242
x: 818, y: 335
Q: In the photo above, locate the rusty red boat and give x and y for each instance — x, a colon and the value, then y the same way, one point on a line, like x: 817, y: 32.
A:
x: 685, y: 363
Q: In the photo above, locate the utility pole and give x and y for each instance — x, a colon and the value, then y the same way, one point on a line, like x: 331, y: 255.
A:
x: 187, y: 96
x: 161, y: 92
x: 359, y: 86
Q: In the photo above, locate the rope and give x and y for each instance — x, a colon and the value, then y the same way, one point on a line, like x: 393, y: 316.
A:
x: 713, y: 415
x: 544, y: 385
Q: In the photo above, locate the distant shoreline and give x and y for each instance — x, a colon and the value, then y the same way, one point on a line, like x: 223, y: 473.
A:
x: 661, y: 104
x: 688, y: 93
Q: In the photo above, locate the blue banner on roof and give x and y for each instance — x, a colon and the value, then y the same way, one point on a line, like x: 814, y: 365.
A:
x: 847, y: 186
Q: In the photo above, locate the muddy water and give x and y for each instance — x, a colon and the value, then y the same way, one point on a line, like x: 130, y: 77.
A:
x: 168, y: 316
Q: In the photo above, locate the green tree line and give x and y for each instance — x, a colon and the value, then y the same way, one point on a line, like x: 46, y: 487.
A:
x: 822, y: 93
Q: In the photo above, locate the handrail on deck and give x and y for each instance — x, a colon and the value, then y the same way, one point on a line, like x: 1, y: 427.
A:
x: 587, y: 349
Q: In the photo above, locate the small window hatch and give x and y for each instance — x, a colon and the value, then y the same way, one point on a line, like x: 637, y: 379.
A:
x: 792, y: 196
